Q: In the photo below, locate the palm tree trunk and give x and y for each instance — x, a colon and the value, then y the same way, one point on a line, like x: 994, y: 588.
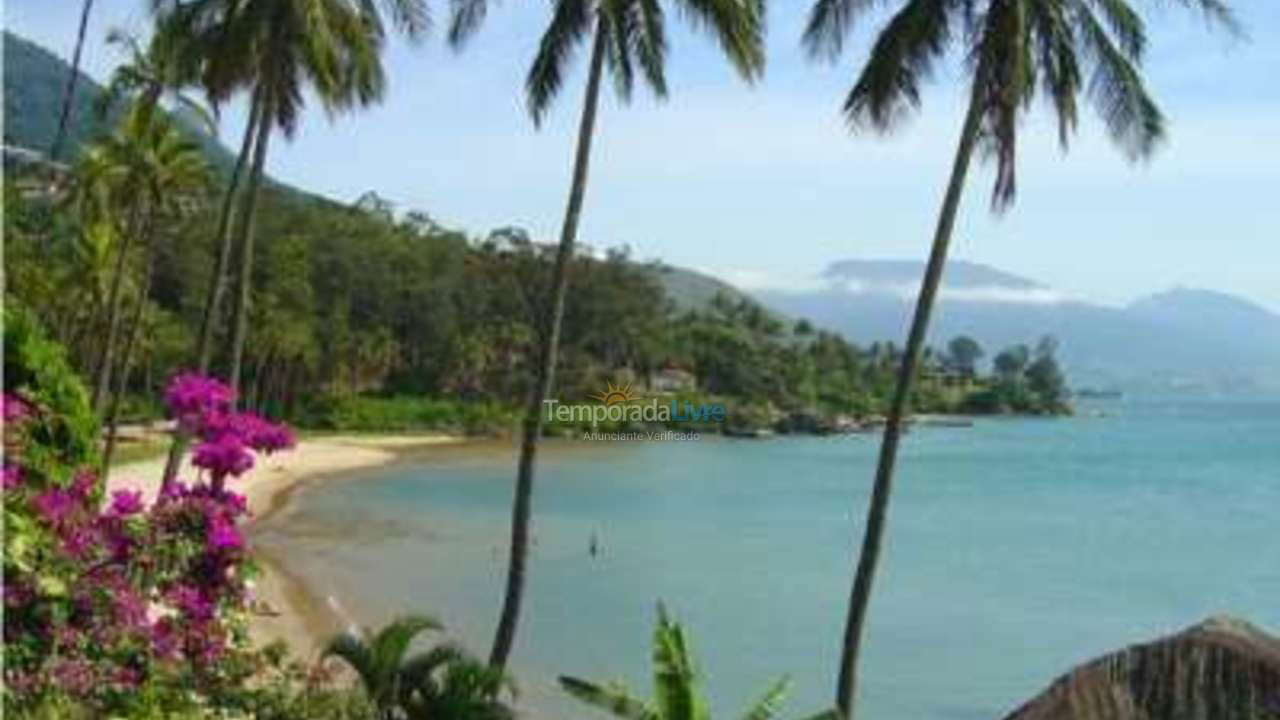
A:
x: 126, y: 361
x: 240, y: 313
x: 548, y: 346
x: 217, y: 281
x: 217, y: 278
x: 64, y: 117
x: 102, y: 373
x: 878, y: 510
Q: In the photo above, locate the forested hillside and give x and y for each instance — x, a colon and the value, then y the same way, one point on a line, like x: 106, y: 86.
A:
x: 34, y: 82
x: 365, y: 316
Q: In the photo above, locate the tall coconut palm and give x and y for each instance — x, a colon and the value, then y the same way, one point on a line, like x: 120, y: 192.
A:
x: 623, y: 34
x: 676, y: 685
x: 143, y: 139
x: 1013, y: 49
x: 104, y: 184
x: 277, y: 49
x: 168, y: 173
x: 73, y: 78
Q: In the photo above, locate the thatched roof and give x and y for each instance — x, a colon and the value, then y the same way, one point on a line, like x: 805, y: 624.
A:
x: 1221, y: 669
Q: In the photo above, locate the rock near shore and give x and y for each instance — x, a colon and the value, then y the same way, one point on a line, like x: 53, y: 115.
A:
x: 1221, y: 669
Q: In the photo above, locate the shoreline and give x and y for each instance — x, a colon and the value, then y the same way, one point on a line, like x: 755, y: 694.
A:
x: 288, y: 609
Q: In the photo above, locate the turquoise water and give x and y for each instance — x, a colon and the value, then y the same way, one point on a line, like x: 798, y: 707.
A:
x: 1016, y: 549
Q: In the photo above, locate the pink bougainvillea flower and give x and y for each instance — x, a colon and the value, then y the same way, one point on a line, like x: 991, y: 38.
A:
x: 262, y: 434
x: 191, y: 397
x: 192, y: 602
x: 54, y: 505
x: 15, y: 408
x: 223, y: 457
x: 223, y: 535
x: 12, y: 476
x: 84, y: 484
x: 126, y: 502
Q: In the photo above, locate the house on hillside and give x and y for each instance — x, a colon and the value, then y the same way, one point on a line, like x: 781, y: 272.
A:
x: 672, y: 379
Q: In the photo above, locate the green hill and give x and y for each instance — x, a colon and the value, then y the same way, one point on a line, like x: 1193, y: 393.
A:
x: 35, y: 79
x: 34, y: 82
x: 690, y: 289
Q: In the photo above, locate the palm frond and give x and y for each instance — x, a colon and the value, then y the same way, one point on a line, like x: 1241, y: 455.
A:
x: 1125, y: 25
x: 618, y: 25
x: 570, y: 25
x: 738, y: 25
x: 1005, y: 84
x: 1060, y: 72
x: 411, y: 17
x: 419, y: 668
x: 830, y: 22
x: 614, y: 699
x: 391, y: 643
x: 651, y: 44
x: 902, y: 57
x: 1217, y: 12
x: 198, y: 111
x: 767, y: 706
x: 356, y: 653
x: 465, y: 19
x: 1118, y: 93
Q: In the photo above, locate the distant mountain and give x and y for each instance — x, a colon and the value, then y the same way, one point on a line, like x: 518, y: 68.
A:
x: 896, y: 273
x: 34, y: 82
x: 690, y: 289
x: 1205, y: 311
x: 1180, y: 337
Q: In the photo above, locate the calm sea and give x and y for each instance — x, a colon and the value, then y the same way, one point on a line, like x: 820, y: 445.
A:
x: 1016, y: 549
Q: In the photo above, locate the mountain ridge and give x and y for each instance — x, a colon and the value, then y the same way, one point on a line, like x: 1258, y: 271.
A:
x: 1176, y: 337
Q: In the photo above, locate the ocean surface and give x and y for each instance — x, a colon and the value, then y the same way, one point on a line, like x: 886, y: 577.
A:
x: 1016, y: 549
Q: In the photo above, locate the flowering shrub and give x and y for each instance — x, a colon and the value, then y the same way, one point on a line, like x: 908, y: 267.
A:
x: 105, y: 597
x: 205, y: 408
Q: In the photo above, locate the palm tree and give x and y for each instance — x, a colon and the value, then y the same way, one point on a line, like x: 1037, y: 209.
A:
x: 168, y: 170
x: 105, y: 183
x: 381, y: 659
x: 1013, y: 48
x: 163, y: 68
x: 622, y: 34
x: 276, y: 49
x: 145, y: 148
x: 676, y: 685
x: 60, y: 135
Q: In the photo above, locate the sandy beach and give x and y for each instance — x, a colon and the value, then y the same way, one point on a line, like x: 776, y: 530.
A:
x: 286, y: 610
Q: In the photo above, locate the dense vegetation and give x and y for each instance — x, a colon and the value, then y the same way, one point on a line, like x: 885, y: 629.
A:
x: 369, y: 321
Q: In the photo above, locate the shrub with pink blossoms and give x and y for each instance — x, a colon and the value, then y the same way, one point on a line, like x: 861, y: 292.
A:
x: 104, y: 596
x: 205, y: 408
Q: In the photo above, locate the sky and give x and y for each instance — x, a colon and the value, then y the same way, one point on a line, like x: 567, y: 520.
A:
x: 765, y: 186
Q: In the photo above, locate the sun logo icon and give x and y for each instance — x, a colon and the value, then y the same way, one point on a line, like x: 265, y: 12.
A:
x: 615, y: 395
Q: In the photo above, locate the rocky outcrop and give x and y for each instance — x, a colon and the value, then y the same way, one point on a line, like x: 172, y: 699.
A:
x: 1221, y: 669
